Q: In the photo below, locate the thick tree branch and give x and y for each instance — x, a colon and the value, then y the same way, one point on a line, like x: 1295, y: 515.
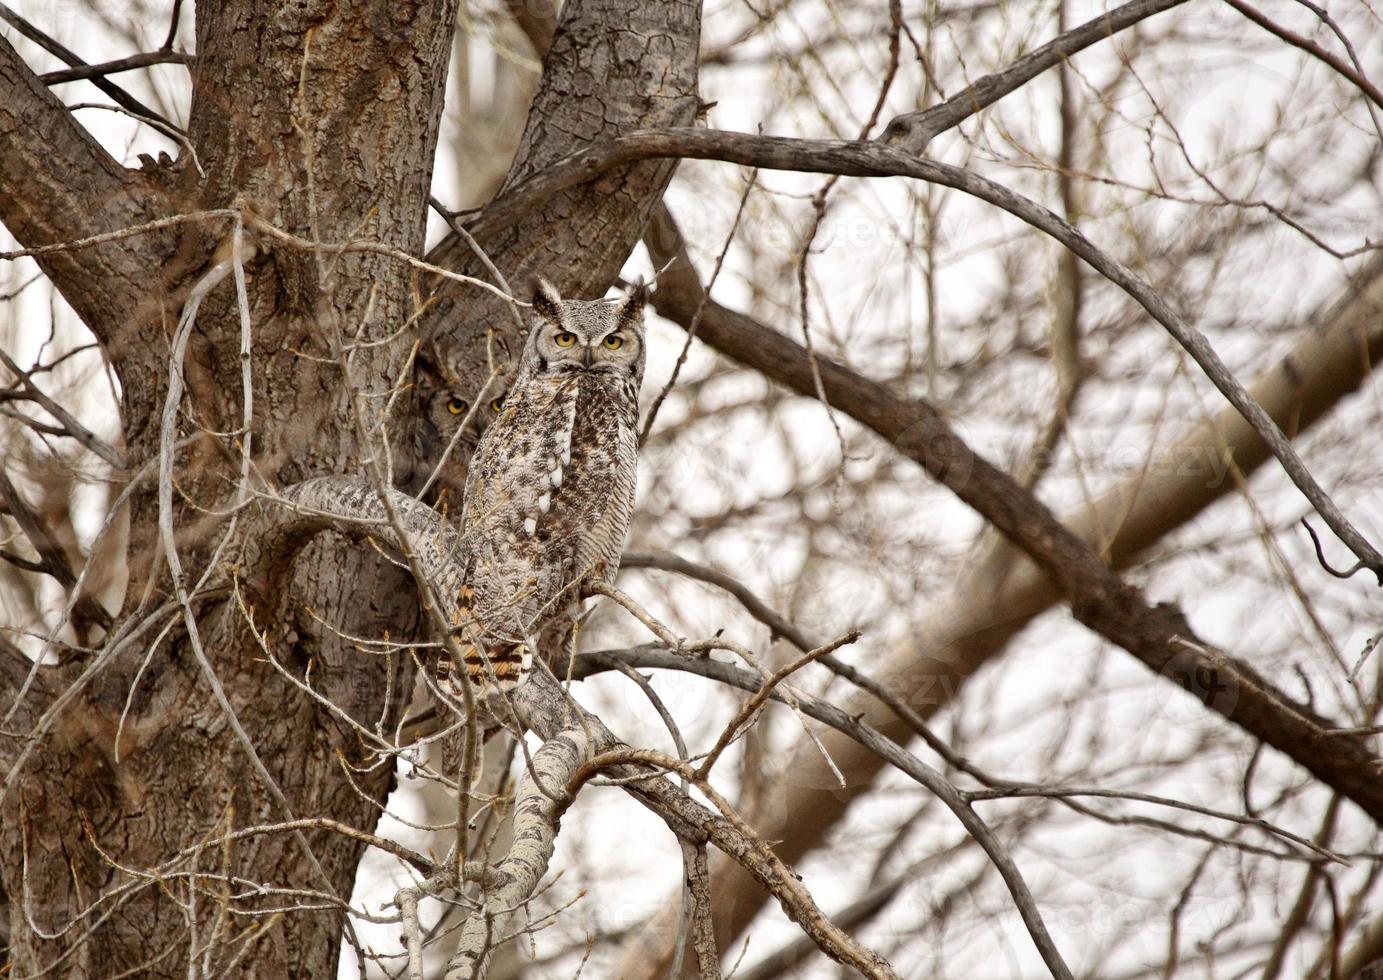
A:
x: 611, y: 67
x: 324, y: 120
x: 17, y: 674
x: 543, y: 707
x: 56, y: 185
x: 860, y: 159
x: 1158, y: 635
x: 697, y: 913
x: 538, y: 21
x: 538, y: 807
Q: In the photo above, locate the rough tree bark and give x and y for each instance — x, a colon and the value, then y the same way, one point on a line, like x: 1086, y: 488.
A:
x: 323, y: 120
x: 597, y: 82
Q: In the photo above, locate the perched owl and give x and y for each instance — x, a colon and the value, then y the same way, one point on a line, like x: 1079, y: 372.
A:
x: 445, y: 397
x: 550, y: 491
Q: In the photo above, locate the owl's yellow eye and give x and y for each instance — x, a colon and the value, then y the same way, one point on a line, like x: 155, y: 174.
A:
x: 565, y: 339
x: 497, y: 404
x: 457, y: 406
x: 613, y: 342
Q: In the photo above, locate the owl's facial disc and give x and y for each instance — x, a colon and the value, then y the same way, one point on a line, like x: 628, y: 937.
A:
x: 586, y: 336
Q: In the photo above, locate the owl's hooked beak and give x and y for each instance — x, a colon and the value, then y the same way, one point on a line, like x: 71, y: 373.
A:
x: 586, y: 355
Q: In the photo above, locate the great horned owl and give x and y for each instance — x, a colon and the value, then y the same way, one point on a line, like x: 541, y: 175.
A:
x: 450, y: 392
x: 551, y: 486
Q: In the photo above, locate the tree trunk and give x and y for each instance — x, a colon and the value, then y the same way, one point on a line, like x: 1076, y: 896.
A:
x: 322, y: 119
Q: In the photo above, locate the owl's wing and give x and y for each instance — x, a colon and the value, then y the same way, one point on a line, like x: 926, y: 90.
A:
x: 602, y: 509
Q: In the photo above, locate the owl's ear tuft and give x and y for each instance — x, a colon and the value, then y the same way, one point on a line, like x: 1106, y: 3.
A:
x: 546, y: 301
x: 631, y: 309
x: 428, y: 359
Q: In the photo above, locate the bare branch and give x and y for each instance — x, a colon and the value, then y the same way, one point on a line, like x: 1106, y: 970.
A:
x: 52, y: 561
x: 70, y: 426
x: 913, y: 131
x: 861, y: 159
x: 538, y: 807
x: 130, y: 63
x: 697, y: 914
x: 1159, y: 636
x: 1355, y: 77
x: 53, y: 47
x: 797, y: 902
x: 970, y: 626
x: 753, y: 605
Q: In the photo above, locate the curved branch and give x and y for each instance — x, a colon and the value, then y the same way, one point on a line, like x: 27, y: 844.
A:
x: 796, y: 900
x: 538, y: 807
x: 1357, y: 78
x: 611, y: 67
x: 756, y: 607
x: 349, y: 506
x: 1158, y: 636
x: 885, y: 748
x: 118, y: 95
x: 142, y: 60
x: 546, y: 709
x: 971, y: 625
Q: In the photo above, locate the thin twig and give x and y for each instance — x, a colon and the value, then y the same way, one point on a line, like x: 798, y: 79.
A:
x: 71, y: 426
x: 913, y: 131
x: 53, y: 47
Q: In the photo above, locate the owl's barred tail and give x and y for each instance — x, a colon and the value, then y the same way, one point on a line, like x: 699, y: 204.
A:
x: 499, y: 667
x: 505, y: 665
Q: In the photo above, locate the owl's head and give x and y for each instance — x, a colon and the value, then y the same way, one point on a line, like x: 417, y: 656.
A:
x: 447, y: 396
x: 568, y: 336
x: 455, y: 402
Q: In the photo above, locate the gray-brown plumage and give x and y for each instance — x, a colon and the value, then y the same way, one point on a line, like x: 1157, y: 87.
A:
x: 550, y: 491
